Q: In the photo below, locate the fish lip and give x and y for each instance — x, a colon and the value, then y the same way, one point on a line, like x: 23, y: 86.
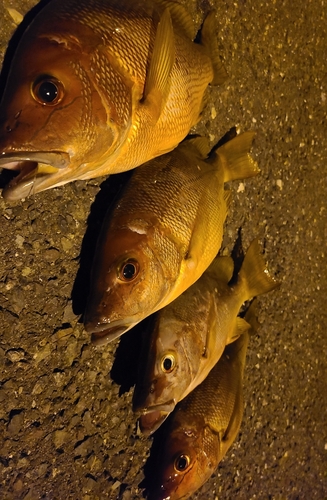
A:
x: 103, y: 333
x: 159, y: 412
x: 163, y: 407
x: 56, y: 159
x: 30, y: 178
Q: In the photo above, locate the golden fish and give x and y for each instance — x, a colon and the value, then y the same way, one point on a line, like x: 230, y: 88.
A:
x: 190, y: 334
x: 98, y: 87
x: 163, y: 233
x: 202, y: 428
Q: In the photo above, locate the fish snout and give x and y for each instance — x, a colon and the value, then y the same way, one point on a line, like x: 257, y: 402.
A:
x: 154, y: 416
x: 142, y: 397
x: 104, y: 330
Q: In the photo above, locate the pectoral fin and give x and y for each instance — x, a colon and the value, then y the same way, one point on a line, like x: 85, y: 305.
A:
x: 162, y: 61
x: 198, y: 239
x: 211, y: 340
x: 234, y: 422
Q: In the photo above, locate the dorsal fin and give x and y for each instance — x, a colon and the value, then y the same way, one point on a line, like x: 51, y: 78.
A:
x: 180, y: 17
x: 200, y: 143
x: 209, y: 42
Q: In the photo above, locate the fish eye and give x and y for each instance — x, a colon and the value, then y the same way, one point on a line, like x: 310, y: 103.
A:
x: 47, y: 90
x: 182, y: 463
x: 129, y: 270
x: 168, y: 363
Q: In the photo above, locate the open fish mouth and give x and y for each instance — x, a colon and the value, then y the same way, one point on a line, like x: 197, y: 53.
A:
x: 33, y: 168
x: 102, y: 333
x: 154, y: 416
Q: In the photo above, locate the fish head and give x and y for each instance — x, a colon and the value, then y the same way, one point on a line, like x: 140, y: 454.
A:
x: 169, y: 366
x: 185, y: 464
x: 127, y: 284
x: 52, y: 119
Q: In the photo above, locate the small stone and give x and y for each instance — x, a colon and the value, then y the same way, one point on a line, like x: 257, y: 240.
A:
x: 16, y: 423
x: 18, y: 485
x: 52, y: 255
x: 26, y: 271
x: 60, y: 437
x: 19, y: 240
x: 39, y: 386
x: 84, y: 448
x: 71, y: 351
x: 44, y: 353
x: 15, y: 355
x: 69, y: 315
x: 66, y: 244
x: 116, y: 485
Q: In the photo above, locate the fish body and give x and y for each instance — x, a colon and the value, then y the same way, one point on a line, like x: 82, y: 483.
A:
x: 164, y: 232
x: 202, y: 428
x: 101, y: 86
x: 190, y: 334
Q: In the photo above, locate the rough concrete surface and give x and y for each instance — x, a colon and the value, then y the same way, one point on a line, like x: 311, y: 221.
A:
x: 67, y: 432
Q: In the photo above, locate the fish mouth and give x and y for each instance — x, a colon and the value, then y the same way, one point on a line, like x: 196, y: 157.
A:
x: 34, y: 168
x: 103, y: 333
x: 154, y: 416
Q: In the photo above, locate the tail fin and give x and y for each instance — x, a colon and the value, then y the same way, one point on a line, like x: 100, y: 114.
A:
x: 235, y: 158
x: 209, y: 41
x: 254, y: 273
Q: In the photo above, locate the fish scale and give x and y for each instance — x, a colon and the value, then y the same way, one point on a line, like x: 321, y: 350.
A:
x: 146, y: 82
x: 167, y: 227
x: 192, y: 333
x: 202, y: 428
x: 105, y: 78
x: 121, y: 35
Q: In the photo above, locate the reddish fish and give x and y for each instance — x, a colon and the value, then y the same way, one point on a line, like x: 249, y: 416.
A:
x: 101, y: 86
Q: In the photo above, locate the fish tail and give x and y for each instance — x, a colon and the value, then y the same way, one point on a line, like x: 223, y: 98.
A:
x: 254, y: 274
x: 209, y: 42
x: 235, y: 158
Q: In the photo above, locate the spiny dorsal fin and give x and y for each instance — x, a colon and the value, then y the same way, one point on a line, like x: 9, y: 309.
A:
x: 209, y: 42
x: 163, y: 58
x: 200, y: 143
x: 180, y: 17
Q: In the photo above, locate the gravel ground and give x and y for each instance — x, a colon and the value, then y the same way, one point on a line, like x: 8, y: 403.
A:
x: 67, y: 429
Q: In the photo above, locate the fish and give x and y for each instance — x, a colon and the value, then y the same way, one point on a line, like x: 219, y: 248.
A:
x: 202, y: 428
x: 164, y: 231
x: 189, y: 336
x: 98, y: 87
